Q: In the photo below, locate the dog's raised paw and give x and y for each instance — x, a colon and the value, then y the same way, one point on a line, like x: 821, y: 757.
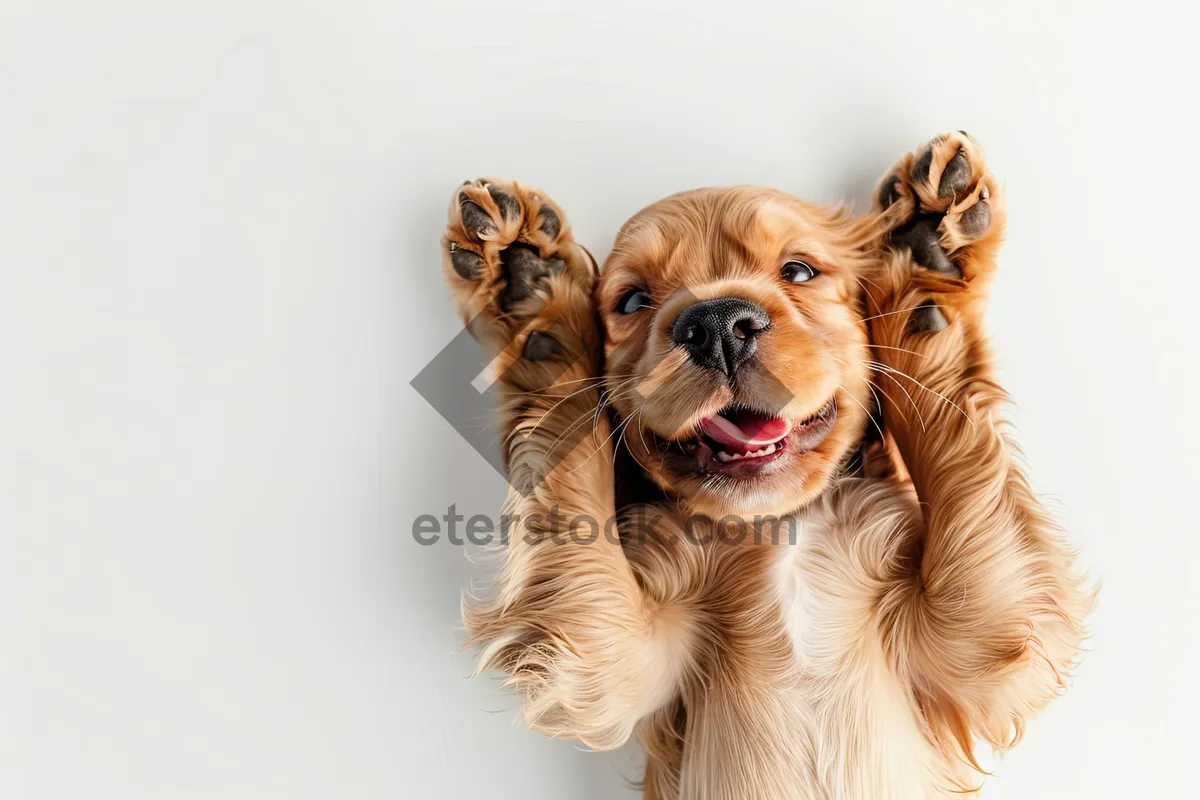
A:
x: 941, y: 199
x: 503, y: 246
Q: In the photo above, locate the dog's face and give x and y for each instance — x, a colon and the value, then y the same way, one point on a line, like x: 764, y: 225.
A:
x: 736, y: 353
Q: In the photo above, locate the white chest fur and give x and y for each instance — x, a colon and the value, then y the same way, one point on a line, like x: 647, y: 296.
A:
x: 867, y: 739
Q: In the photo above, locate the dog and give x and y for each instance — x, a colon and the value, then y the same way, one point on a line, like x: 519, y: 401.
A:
x: 838, y: 579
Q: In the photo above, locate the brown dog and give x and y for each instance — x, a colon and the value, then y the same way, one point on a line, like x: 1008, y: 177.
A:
x: 843, y: 579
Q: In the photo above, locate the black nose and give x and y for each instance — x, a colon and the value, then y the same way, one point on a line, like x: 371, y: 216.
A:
x: 720, y: 333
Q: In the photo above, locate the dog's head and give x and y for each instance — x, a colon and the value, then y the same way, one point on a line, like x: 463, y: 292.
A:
x: 735, y: 346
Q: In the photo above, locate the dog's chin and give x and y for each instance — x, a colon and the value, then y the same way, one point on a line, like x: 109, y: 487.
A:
x: 745, y: 461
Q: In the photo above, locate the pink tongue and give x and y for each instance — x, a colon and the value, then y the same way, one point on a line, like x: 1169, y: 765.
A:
x: 745, y: 432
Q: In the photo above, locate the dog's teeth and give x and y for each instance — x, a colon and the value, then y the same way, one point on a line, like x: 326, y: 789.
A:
x: 726, y: 456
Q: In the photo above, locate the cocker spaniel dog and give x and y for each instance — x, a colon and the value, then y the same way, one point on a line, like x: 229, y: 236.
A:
x: 765, y: 513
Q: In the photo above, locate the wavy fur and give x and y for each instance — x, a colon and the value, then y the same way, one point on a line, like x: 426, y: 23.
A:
x: 859, y: 641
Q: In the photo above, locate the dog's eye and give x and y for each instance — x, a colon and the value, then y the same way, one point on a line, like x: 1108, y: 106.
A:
x: 633, y: 301
x: 798, y: 272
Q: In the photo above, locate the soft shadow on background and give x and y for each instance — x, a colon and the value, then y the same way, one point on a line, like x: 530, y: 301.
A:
x: 219, y: 236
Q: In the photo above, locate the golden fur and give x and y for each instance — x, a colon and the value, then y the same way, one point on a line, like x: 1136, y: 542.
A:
x: 857, y: 641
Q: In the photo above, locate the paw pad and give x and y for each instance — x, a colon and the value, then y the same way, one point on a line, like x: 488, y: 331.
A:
x: 919, y: 171
x: 955, y: 177
x: 975, y: 220
x: 525, y: 270
x: 474, y: 218
x: 465, y: 263
x: 551, y: 224
x: 921, y: 236
x: 927, y: 318
x: 541, y: 347
x: 510, y: 209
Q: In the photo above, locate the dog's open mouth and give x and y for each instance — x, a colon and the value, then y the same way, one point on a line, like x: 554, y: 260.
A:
x: 736, y: 433
x: 743, y: 442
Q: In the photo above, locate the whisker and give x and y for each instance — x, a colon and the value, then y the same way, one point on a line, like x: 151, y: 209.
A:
x: 621, y: 438
x: 864, y: 408
x: 546, y: 393
x: 635, y: 458
x: 647, y: 449
x: 901, y: 349
x: 600, y: 404
x: 607, y: 398
x: 909, y: 396
x: 867, y: 345
x: 556, y: 405
x: 875, y: 394
x: 570, y: 429
x: 600, y: 447
x: 860, y: 279
x: 889, y: 313
x: 886, y: 368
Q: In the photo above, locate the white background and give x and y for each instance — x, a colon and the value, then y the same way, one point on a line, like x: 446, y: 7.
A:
x: 218, y: 227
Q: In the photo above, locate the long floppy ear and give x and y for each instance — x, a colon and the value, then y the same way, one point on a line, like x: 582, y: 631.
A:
x: 858, y: 239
